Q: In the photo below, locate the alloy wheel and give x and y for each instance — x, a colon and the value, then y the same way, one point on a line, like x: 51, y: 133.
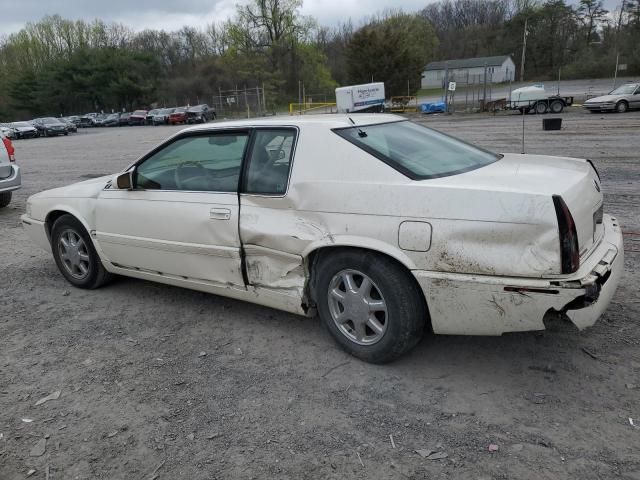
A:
x: 357, y: 307
x: 74, y: 254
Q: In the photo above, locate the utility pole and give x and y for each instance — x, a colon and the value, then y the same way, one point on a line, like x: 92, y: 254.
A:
x: 446, y: 87
x: 524, y: 49
x: 615, y: 74
x: 484, y: 93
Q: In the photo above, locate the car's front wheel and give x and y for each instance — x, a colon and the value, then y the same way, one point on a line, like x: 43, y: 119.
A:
x: 5, y: 199
x: 622, y: 107
x: 371, y: 306
x: 75, y: 254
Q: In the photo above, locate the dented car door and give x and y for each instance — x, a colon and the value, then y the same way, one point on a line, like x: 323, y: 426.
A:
x: 271, y: 249
x: 181, y: 218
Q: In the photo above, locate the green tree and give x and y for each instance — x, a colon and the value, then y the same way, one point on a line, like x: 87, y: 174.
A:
x: 393, y: 49
x: 591, y: 13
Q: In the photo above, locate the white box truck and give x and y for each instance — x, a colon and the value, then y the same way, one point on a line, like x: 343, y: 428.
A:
x: 360, y: 98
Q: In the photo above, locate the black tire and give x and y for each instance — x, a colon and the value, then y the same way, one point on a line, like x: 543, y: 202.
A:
x: 622, y: 107
x: 406, y: 313
x: 556, y: 106
x: 540, y: 108
x: 595, y: 111
x: 5, y: 199
x: 96, y: 275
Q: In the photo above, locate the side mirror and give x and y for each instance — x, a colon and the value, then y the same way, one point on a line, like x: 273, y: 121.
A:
x: 124, y: 181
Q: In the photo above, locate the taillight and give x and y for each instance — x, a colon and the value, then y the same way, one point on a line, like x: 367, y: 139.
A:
x: 10, y: 150
x: 569, y: 251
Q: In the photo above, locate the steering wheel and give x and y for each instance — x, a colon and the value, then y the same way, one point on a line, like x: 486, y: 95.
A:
x: 181, y: 178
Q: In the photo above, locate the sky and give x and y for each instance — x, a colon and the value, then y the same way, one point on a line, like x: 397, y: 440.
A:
x: 173, y: 14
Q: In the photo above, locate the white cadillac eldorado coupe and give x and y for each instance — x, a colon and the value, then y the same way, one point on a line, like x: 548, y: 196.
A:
x: 380, y: 225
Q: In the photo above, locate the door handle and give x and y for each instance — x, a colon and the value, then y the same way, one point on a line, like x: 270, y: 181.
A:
x: 220, y: 214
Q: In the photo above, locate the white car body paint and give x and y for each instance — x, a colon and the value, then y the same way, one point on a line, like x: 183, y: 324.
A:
x: 492, y: 232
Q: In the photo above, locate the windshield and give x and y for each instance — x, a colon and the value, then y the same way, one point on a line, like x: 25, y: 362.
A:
x: 140, y: 112
x: 197, y: 108
x: 416, y: 151
x: 21, y: 124
x: 50, y: 120
x: 180, y: 110
x: 624, y: 90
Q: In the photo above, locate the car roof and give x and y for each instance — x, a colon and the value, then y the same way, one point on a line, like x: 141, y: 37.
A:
x: 329, y: 121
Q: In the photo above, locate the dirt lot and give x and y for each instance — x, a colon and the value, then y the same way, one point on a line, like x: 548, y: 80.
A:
x: 161, y: 382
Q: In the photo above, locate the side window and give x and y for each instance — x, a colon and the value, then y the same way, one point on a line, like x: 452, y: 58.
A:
x: 209, y: 163
x: 270, y: 161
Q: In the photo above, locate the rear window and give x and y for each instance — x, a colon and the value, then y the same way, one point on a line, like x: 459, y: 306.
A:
x: 416, y: 151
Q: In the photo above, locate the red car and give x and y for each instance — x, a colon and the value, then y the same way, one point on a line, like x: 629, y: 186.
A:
x: 178, y: 116
x: 139, y: 117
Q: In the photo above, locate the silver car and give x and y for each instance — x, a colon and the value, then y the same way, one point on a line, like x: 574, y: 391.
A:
x: 9, y: 171
x: 620, y: 100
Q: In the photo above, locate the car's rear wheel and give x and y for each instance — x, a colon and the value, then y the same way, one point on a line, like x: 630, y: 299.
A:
x: 622, y: 107
x: 75, y: 254
x: 371, y: 306
x: 5, y: 199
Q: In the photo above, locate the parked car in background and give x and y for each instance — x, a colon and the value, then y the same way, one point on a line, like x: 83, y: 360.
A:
x: 123, y: 120
x: 70, y: 126
x: 9, y: 171
x: 138, y: 117
x: 399, y: 230
x: 162, y: 116
x: 150, y: 115
x: 75, y: 119
x: 7, y: 131
x: 99, y: 119
x: 50, y: 126
x: 111, y: 120
x: 625, y: 97
x: 200, y: 114
x: 179, y: 115
x: 24, y: 130
x: 87, y: 120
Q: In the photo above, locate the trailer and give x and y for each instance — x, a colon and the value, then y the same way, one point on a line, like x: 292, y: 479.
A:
x: 368, y: 97
x: 535, y: 99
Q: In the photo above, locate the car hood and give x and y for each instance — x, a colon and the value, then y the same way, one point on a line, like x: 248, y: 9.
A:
x: 604, y: 99
x: 86, y: 189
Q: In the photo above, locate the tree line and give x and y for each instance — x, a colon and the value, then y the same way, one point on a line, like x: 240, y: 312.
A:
x: 581, y: 41
x: 58, y: 66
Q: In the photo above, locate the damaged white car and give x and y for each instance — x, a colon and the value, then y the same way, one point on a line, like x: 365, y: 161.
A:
x: 383, y: 227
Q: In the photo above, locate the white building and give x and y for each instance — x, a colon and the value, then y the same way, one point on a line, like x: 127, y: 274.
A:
x: 499, y: 69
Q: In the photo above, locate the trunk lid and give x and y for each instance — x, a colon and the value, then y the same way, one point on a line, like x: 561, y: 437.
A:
x: 574, y: 180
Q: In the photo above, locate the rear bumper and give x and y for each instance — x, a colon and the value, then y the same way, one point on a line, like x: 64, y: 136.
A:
x: 13, y: 181
x: 461, y: 304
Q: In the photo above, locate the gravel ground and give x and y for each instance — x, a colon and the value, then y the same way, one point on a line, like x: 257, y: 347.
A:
x: 162, y: 382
